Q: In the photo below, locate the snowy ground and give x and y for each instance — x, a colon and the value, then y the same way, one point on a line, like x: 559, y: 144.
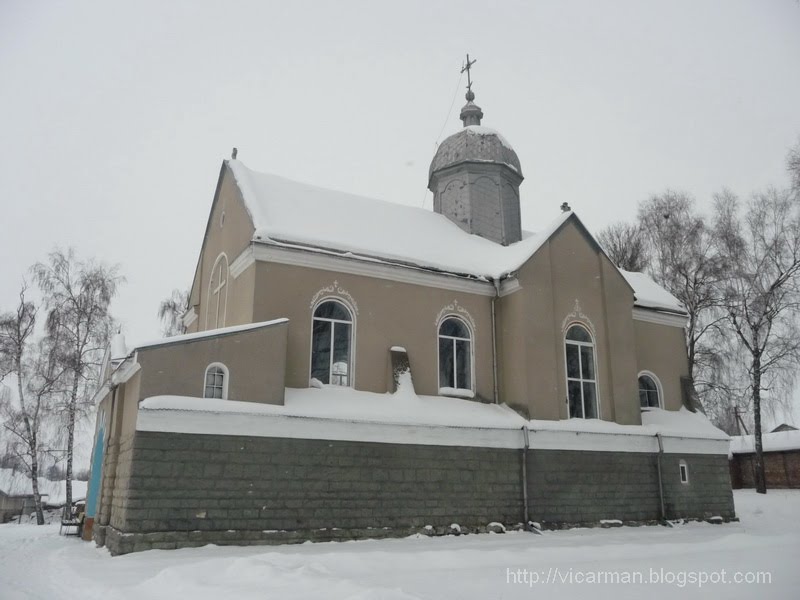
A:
x: 36, y: 563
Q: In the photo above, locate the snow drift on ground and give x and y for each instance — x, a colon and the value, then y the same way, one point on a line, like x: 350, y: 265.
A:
x: 37, y: 564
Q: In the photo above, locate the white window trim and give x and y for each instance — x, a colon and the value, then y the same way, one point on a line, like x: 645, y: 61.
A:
x: 659, y: 389
x: 209, y: 296
x: 225, y: 379
x: 683, y: 469
x: 471, y: 330
x: 567, y: 378
x: 351, y: 376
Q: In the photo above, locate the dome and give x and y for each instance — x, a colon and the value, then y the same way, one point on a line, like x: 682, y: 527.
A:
x: 475, y: 143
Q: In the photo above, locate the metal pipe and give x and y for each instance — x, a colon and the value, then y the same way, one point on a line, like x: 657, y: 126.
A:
x: 525, y: 475
x: 494, y: 340
x: 660, y: 483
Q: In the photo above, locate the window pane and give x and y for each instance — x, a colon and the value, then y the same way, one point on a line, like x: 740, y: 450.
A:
x: 587, y: 362
x: 574, y: 395
x: 321, y: 351
x: 208, y: 392
x: 573, y: 369
x: 446, y: 358
x: 590, y: 400
x: 210, y: 377
x: 341, y: 353
x: 648, y: 392
x: 579, y: 334
x: 332, y: 310
x: 217, y: 392
x: 454, y: 328
x: 463, y: 365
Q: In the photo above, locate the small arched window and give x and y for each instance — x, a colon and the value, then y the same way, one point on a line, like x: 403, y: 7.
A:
x: 217, y: 294
x: 216, y: 381
x: 331, y: 344
x: 649, y: 396
x: 581, y: 373
x: 455, y: 356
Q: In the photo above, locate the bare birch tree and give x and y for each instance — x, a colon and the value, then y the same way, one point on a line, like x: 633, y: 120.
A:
x: 625, y: 245
x: 34, y: 368
x: 77, y: 295
x: 761, y: 292
x: 171, y: 311
x: 684, y: 259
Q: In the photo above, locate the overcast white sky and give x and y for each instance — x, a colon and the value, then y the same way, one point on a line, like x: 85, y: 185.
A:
x: 115, y: 116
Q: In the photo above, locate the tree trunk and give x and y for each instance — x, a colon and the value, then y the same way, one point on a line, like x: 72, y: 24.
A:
x: 33, y: 446
x: 761, y: 479
x: 71, y: 436
x: 37, y: 497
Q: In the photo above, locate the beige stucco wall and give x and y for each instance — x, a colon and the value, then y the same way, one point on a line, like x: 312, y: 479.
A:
x: 388, y: 314
x: 229, y: 236
x: 661, y: 349
x: 532, y: 323
x: 255, y: 359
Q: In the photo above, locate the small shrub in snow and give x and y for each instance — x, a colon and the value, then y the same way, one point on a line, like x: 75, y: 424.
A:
x: 454, y: 529
x: 610, y: 523
x: 495, y: 527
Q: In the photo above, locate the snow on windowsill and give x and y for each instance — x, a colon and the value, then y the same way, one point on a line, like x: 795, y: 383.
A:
x: 456, y: 392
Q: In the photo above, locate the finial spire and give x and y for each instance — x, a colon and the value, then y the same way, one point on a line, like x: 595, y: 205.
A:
x: 471, y: 113
x: 467, y: 67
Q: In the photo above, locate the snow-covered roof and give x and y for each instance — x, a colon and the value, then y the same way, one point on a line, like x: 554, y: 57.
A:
x: 287, y: 212
x: 191, y: 337
x: 651, y: 295
x: 17, y: 483
x: 405, y: 407
x: 770, y: 442
x: 297, y: 213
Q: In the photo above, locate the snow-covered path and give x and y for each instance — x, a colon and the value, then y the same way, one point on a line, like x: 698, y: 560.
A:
x: 36, y: 563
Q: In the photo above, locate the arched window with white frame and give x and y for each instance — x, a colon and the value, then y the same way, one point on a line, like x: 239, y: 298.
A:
x: 649, y: 390
x: 217, y: 300
x: 216, y: 381
x: 455, y: 358
x: 332, y: 343
x: 581, y: 373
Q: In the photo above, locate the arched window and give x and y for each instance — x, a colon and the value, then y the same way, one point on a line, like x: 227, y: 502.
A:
x: 649, y: 396
x: 455, y: 356
x: 331, y: 344
x: 216, y: 381
x: 581, y: 373
x: 217, y: 294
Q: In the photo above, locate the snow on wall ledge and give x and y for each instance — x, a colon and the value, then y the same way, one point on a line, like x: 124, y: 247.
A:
x: 348, y: 415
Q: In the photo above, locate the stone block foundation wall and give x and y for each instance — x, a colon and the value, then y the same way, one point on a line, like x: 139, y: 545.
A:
x: 185, y: 489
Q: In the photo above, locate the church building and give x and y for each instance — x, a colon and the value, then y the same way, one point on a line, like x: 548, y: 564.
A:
x: 358, y: 368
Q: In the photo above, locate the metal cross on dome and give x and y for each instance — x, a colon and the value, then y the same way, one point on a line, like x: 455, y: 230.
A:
x: 466, y: 67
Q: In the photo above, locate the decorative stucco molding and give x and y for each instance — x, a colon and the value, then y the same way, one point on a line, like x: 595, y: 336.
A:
x: 336, y: 290
x: 577, y: 315
x: 455, y: 308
